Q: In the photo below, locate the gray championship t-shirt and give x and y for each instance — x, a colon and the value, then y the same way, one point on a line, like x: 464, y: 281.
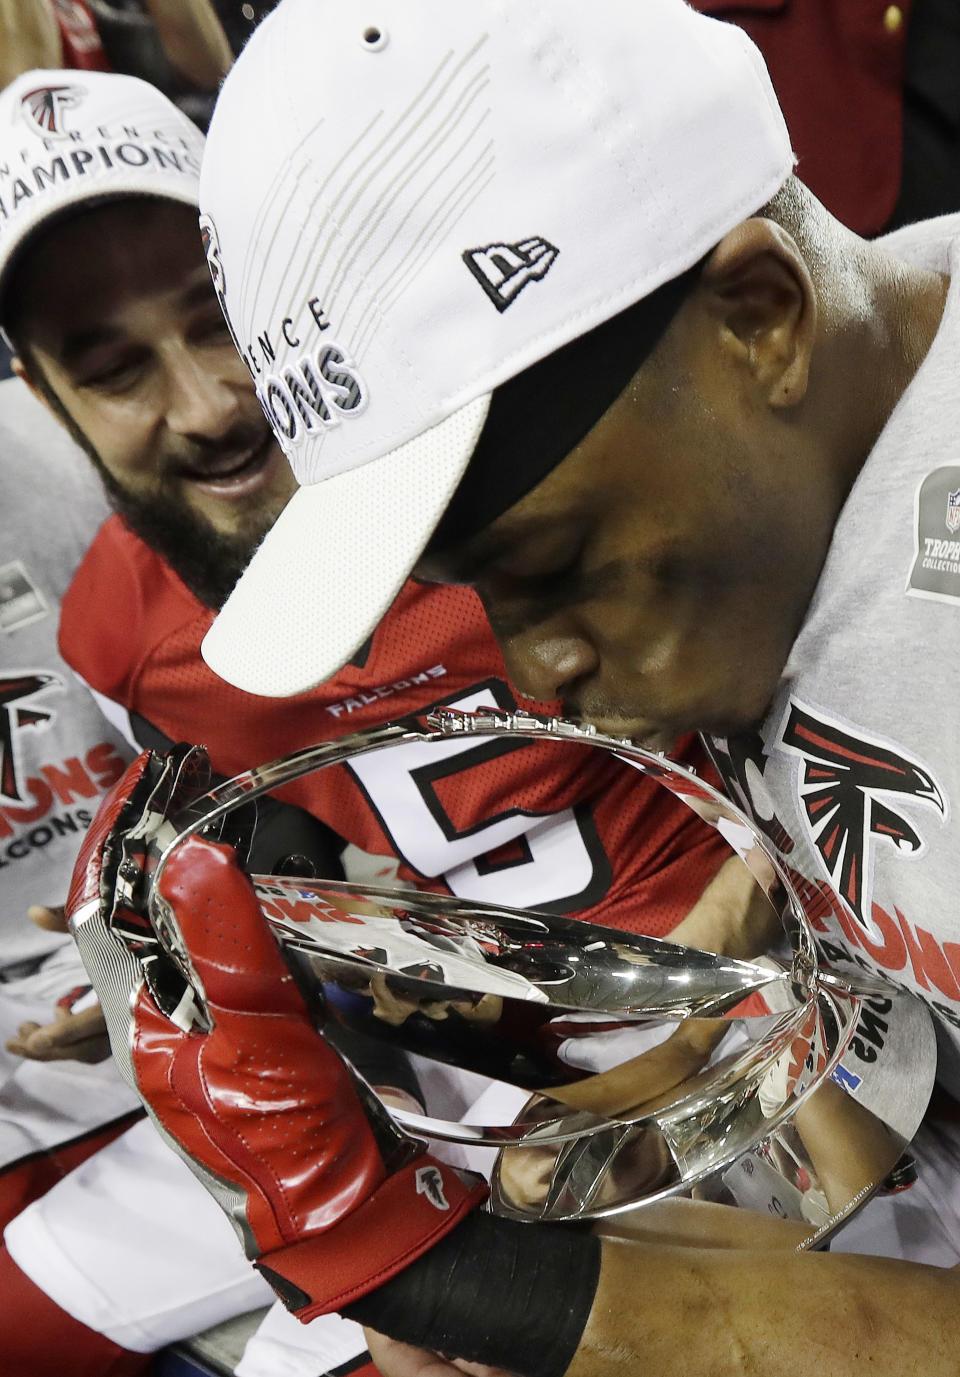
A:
x: 58, y: 754
x: 855, y: 774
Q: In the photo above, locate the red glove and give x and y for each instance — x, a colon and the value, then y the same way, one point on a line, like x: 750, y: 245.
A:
x: 329, y: 1196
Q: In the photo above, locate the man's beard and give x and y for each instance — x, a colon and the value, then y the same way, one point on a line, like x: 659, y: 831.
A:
x: 205, y: 559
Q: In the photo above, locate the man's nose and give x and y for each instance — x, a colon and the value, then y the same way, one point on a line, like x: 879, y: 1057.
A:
x: 201, y: 403
x: 545, y: 662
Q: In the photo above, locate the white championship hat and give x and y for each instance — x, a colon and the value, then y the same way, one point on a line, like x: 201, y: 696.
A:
x: 67, y: 138
x: 405, y: 205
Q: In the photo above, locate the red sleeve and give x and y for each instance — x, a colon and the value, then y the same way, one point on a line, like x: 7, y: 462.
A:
x: 121, y: 600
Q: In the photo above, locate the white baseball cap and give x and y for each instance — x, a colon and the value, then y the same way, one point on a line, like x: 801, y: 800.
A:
x: 406, y: 205
x: 67, y: 138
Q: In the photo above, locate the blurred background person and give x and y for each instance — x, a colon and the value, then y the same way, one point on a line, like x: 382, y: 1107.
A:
x: 871, y: 95
x: 61, y: 1100
x: 178, y: 45
x: 240, y: 17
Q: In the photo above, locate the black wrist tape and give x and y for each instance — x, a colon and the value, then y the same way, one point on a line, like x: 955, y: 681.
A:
x: 493, y: 1291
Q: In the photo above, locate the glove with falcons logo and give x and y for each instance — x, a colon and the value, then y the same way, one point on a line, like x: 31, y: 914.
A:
x: 329, y: 1197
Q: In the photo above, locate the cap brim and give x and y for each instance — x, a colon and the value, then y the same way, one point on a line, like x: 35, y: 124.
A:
x: 335, y: 560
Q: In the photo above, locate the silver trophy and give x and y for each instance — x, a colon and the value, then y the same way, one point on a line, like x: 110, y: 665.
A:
x: 760, y: 1083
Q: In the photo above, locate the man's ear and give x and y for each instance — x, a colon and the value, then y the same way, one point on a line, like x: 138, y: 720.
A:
x: 20, y: 368
x: 22, y: 371
x: 762, y: 295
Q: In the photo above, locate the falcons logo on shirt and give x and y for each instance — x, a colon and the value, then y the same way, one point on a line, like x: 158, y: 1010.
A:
x: 14, y: 690
x: 43, y: 107
x: 844, y: 786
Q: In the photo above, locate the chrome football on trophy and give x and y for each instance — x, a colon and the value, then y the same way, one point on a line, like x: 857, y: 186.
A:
x: 738, y: 1082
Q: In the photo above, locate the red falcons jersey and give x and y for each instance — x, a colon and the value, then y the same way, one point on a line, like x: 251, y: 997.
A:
x: 563, y: 828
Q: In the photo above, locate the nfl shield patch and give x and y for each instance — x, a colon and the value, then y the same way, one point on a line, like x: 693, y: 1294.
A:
x: 936, y: 551
x: 953, y: 510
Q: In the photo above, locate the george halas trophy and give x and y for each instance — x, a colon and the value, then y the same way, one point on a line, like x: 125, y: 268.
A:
x: 622, y: 1071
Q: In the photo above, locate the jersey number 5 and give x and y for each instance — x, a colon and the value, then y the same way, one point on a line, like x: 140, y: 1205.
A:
x: 552, y: 861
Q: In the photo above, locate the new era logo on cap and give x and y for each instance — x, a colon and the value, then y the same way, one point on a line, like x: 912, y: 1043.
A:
x: 503, y: 270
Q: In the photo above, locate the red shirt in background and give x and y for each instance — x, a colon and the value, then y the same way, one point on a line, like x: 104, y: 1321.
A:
x: 82, y: 48
x: 838, y: 69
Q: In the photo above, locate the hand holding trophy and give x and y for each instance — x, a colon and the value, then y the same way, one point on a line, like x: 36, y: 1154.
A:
x: 719, y: 1081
